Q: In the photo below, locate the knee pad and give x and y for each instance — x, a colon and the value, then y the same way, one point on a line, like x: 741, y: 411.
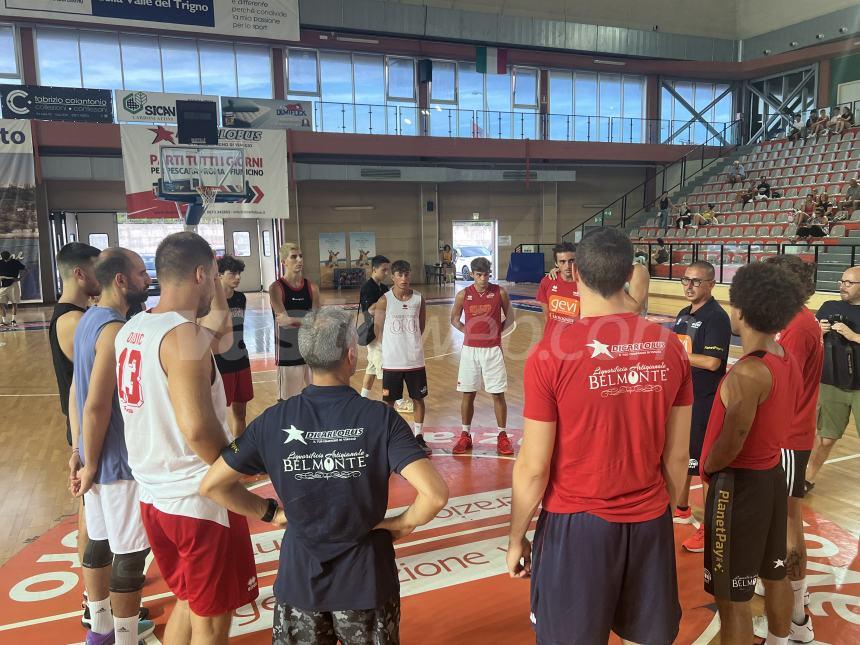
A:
x: 97, y: 554
x: 126, y: 576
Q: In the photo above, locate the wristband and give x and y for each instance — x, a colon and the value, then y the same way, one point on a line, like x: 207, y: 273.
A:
x: 270, y: 511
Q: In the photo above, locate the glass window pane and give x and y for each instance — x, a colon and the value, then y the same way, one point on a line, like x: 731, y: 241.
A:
x: 369, y: 82
x: 57, y: 57
x: 180, y: 65
x: 141, y: 63
x: 241, y: 244
x: 336, y: 76
x: 560, y: 105
x: 470, y: 97
x: 585, y: 125
x: 443, y: 86
x: 525, y: 87
x: 8, y: 57
x: 610, y: 106
x: 723, y: 108
x: 499, y: 120
x: 401, y: 78
x: 267, y: 243
x: 633, y: 109
x: 667, y: 102
x: 99, y: 240
x: 682, y: 114
x: 255, y: 71
x: 100, y: 60
x: 302, y: 71
x: 218, y: 68
x: 704, y: 94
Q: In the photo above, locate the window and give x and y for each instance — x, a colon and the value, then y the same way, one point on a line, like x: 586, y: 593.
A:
x: 254, y: 67
x: 633, y: 109
x: 401, y: 79
x: 141, y: 63
x: 336, y: 89
x: 678, y: 124
x: 58, y: 57
x: 369, y: 87
x: 241, y: 244
x: 525, y: 87
x: 444, y: 86
x: 100, y: 60
x: 99, y: 240
x: 560, y: 105
x: 267, y: 243
x: 302, y: 72
x: 8, y: 53
x: 218, y: 68
x: 181, y: 65
x: 585, y: 125
x: 610, y: 107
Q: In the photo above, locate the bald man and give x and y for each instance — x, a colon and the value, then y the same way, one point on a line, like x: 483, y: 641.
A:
x: 839, y: 395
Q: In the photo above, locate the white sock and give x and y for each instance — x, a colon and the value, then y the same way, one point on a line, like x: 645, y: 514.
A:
x: 776, y: 640
x: 798, y: 613
x: 467, y: 428
x: 501, y: 430
x: 418, y: 427
x: 101, y: 616
x: 125, y: 630
x: 365, y: 392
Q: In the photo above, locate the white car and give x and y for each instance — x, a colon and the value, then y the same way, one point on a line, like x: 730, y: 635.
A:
x: 465, y: 255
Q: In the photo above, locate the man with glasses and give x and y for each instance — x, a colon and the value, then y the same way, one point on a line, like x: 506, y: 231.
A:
x: 838, y: 396
x: 705, y: 331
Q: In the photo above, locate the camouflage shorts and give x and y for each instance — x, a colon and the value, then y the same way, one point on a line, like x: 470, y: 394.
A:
x: 380, y: 626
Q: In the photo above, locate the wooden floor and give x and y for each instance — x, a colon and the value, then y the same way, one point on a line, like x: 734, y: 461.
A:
x: 33, y: 477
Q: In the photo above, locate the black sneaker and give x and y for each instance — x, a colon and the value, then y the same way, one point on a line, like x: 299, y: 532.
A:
x: 87, y: 622
x: 808, y: 486
x: 427, y: 449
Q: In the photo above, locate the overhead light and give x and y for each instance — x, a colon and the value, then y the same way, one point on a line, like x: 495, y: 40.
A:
x: 765, y: 51
x: 793, y: 43
x: 819, y: 36
x: 350, y: 39
x: 353, y: 208
x: 600, y: 61
x: 843, y: 30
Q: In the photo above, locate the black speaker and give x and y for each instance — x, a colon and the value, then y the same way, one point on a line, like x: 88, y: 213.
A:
x: 430, y: 206
x: 197, y: 122
x: 425, y: 70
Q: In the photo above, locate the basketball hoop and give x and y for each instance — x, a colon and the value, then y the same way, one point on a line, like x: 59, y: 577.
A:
x: 207, y: 195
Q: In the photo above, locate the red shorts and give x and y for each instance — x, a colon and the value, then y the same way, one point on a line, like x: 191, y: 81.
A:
x: 238, y: 386
x: 203, y: 562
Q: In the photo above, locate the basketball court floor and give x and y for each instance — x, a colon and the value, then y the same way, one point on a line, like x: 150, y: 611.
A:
x: 452, y: 572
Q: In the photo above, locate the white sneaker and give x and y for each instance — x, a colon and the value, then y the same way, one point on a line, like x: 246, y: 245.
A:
x: 802, y: 633
x: 759, y: 588
x: 405, y: 405
x: 760, y: 626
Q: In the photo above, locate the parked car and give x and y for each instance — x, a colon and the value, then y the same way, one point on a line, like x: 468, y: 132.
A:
x: 149, y: 262
x: 464, y: 256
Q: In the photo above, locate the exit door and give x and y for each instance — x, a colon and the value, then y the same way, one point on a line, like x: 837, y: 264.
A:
x: 473, y: 239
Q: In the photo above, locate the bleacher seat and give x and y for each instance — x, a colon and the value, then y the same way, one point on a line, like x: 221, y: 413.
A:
x: 738, y: 231
x: 837, y: 231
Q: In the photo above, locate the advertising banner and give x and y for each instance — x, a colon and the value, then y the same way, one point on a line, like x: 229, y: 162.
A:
x: 362, y: 248
x: 265, y: 19
x: 332, y: 256
x: 19, y: 229
x: 56, y: 103
x: 152, y: 107
x: 265, y: 164
x: 271, y: 114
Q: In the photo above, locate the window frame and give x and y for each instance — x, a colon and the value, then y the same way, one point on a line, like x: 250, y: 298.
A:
x: 524, y: 106
x: 455, y: 100
x: 288, y: 90
x: 16, y: 48
x: 392, y: 98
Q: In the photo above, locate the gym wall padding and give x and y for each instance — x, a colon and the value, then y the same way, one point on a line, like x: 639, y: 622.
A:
x: 526, y: 267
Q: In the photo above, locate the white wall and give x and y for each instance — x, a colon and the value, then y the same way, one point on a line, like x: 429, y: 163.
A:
x: 756, y: 17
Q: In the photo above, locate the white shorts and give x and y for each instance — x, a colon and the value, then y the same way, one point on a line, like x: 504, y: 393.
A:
x: 113, y: 514
x: 292, y: 379
x: 374, y: 359
x: 486, y: 362
x: 10, y: 295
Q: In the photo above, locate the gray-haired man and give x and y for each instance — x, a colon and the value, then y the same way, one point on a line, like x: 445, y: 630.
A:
x: 330, y: 454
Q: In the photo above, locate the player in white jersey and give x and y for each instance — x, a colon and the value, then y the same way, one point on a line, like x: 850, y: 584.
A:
x: 400, y: 319
x: 174, y: 408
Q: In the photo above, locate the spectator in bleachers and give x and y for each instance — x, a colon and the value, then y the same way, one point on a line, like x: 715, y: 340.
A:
x: 685, y: 217
x: 706, y: 217
x: 810, y: 122
x: 809, y: 203
x: 796, y: 129
x: 851, y: 199
x: 843, y: 121
x: 745, y: 194
x: 661, y: 255
x: 820, y: 124
x: 665, y: 204
x: 762, y: 189
x: 815, y: 226
x: 823, y: 205
x: 738, y: 173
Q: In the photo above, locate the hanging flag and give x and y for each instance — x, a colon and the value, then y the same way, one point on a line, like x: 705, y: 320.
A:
x: 491, y: 60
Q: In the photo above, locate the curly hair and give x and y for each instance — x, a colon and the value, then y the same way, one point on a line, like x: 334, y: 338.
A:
x: 805, y: 271
x: 767, y: 296
x: 229, y: 263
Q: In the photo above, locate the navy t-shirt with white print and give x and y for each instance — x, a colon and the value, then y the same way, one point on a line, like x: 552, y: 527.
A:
x: 330, y: 453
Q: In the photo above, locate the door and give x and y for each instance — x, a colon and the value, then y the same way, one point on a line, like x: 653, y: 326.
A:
x: 97, y: 229
x: 242, y: 241
x: 268, y: 263
x: 471, y: 239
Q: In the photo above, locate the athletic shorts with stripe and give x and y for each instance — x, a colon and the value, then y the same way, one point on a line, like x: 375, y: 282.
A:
x: 207, y: 564
x: 745, y: 531
x: 393, y: 380
x: 238, y: 386
x: 591, y: 576
x: 113, y: 513
x: 379, y: 626
x: 794, y: 464
x: 485, y: 364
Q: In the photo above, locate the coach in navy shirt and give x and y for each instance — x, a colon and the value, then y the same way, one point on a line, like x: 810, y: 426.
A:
x: 330, y: 453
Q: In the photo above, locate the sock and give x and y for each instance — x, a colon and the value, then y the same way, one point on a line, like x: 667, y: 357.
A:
x: 101, y: 616
x: 501, y: 430
x: 682, y: 508
x: 125, y: 630
x: 365, y: 392
x: 776, y: 640
x: 467, y: 428
x: 418, y: 427
x: 798, y: 613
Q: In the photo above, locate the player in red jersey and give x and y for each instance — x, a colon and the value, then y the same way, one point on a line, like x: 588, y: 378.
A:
x: 802, y: 340
x: 605, y: 446
x: 558, y: 293
x: 746, y: 509
x: 481, y: 359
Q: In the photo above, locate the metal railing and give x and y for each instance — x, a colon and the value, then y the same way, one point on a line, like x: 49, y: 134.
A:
x: 666, y: 179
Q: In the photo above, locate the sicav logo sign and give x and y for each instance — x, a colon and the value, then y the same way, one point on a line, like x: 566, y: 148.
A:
x: 135, y: 102
x: 138, y: 102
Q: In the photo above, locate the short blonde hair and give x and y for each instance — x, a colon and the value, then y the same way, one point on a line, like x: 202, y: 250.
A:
x: 286, y: 247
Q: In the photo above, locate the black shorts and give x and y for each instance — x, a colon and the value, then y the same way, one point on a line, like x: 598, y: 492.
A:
x: 590, y: 577
x: 380, y: 626
x: 69, y: 431
x: 697, y: 440
x: 745, y: 531
x: 392, y: 384
x: 794, y: 464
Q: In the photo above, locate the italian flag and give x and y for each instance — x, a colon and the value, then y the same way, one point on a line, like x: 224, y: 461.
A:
x: 490, y: 60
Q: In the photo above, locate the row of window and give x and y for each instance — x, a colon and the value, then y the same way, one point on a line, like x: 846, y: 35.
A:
x: 712, y: 100
x: 8, y: 54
